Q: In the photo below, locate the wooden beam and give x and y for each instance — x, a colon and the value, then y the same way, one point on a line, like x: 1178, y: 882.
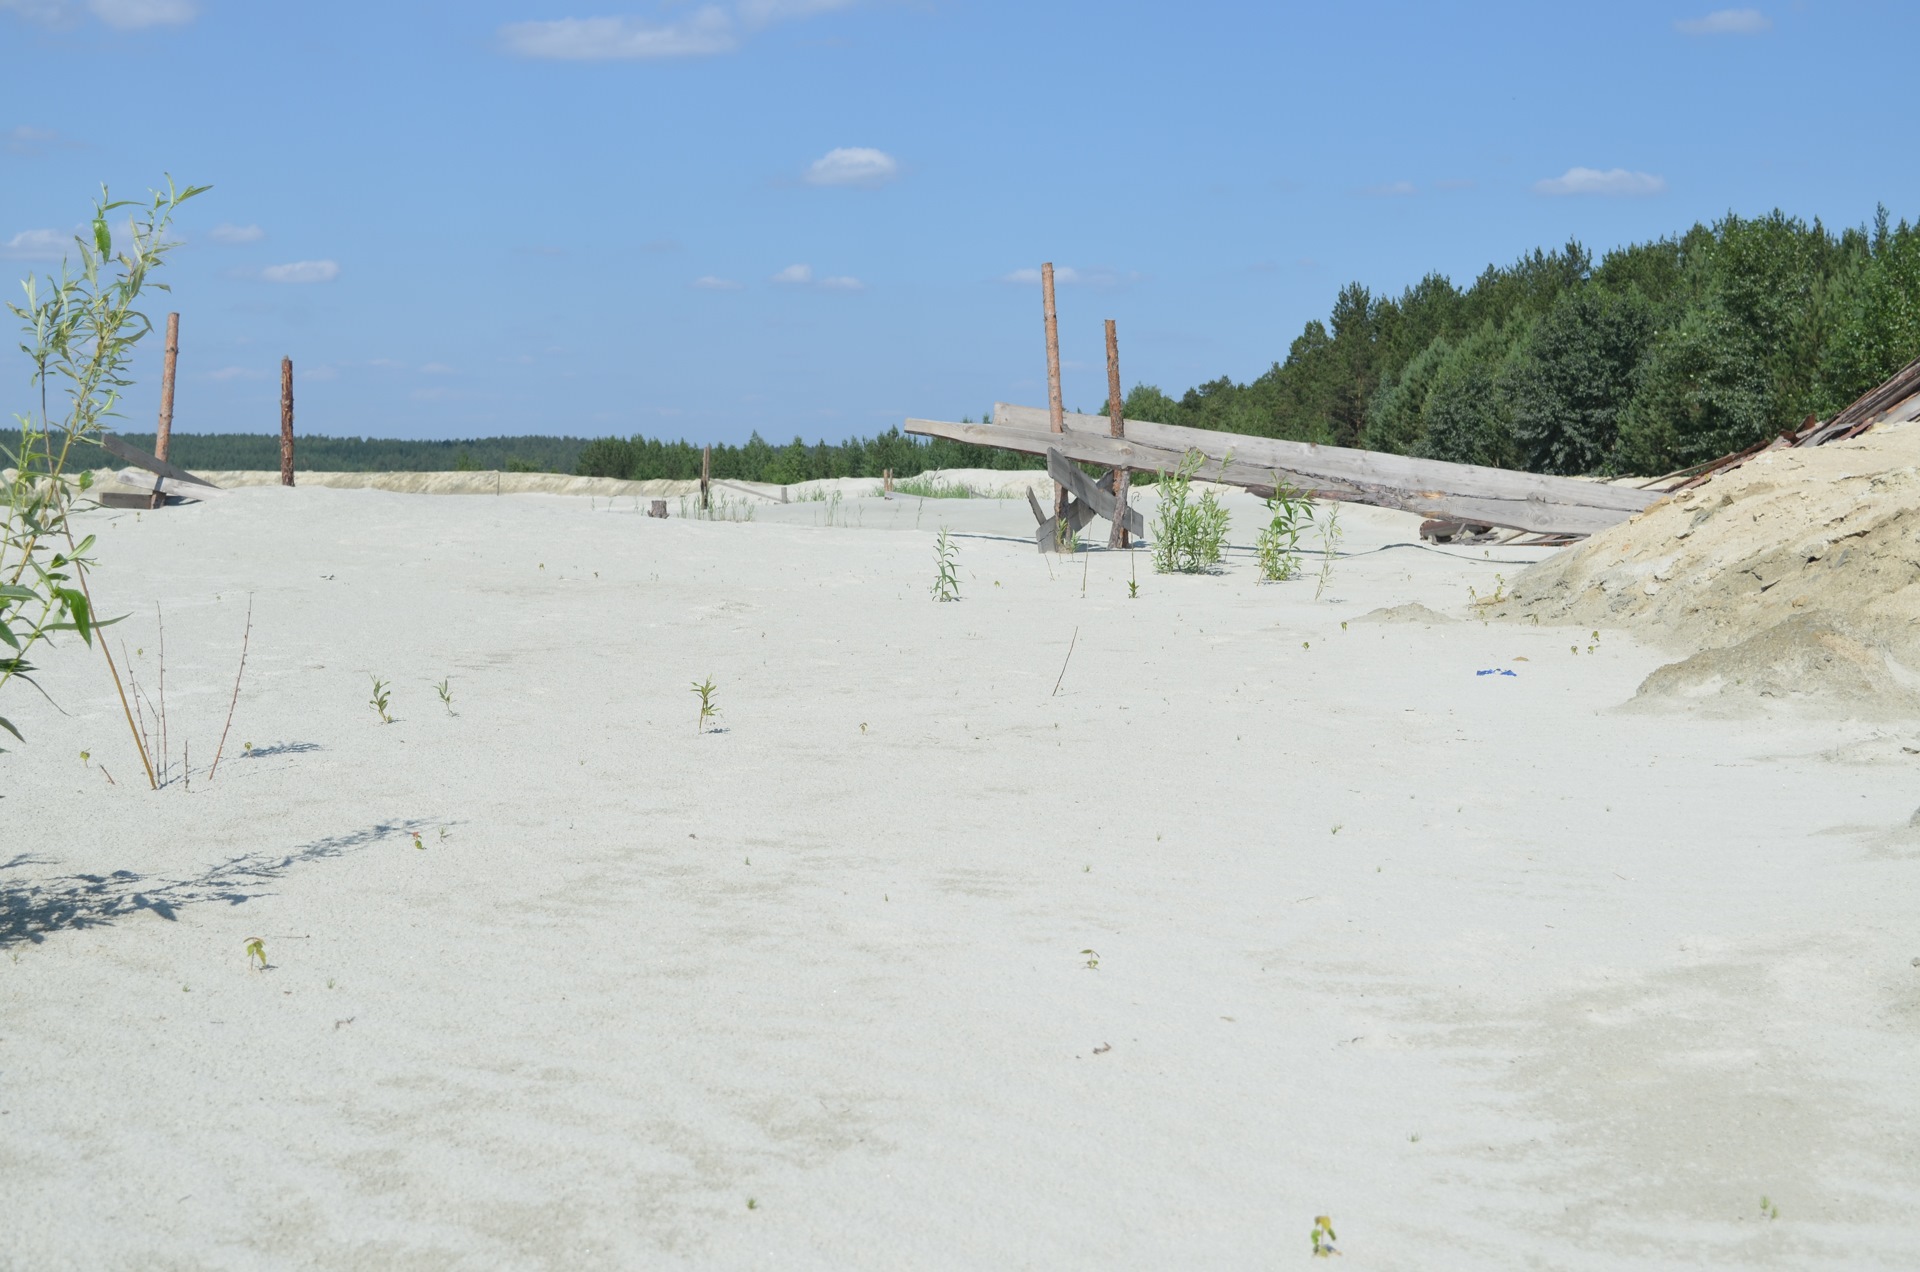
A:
x: 140, y: 459
x: 1429, y: 477
x: 1534, y: 515
x: 1096, y: 496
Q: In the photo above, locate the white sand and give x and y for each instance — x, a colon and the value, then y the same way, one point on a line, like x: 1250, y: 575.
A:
x: 1490, y: 972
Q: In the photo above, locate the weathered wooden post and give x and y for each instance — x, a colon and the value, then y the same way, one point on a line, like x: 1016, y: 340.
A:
x: 164, y: 433
x: 286, y: 421
x: 706, y: 478
x: 1116, y: 425
x: 1056, y: 412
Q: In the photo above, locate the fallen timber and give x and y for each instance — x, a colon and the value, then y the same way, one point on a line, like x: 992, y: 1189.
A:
x: 1527, y: 502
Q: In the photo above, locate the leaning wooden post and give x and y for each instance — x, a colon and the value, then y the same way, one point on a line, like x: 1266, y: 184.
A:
x: 1116, y: 425
x: 1056, y: 413
x: 706, y: 477
x: 164, y: 433
x: 286, y: 421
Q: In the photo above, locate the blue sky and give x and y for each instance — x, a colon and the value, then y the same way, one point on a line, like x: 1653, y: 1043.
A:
x: 817, y: 217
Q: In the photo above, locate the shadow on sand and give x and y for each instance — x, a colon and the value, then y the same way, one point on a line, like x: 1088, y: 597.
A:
x: 29, y: 911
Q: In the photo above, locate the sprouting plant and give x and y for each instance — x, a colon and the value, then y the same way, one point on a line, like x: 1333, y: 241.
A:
x: 416, y: 842
x: 85, y: 756
x: 1499, y: 593
x: 1093, y: 959
x: 1276, y: 547
x: 946, y: 581
x: 444, y: 834
x: 1323, y: 1237
x: 257, y: 952
x: 445, y: 689
x: 1329, y: 543
x: 246, y: 749
x: 707, y: 710
x: 1768, y: 1209
x: 1133, y: 577
x: 79, y: 331
x: 1595, y: 643
x: 379, y: 700
x: 1188, y: 536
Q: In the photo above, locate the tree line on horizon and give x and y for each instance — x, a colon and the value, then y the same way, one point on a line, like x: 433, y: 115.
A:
x: 1663, y: 355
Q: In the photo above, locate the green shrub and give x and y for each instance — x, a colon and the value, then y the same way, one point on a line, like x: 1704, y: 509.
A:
x: 1188, y: 535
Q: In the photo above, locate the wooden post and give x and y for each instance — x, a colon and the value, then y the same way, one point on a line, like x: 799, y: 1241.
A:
x: 1116, y: 425
x: 706, y: 476
x: 1056, y: 412
x: 286, y: 421
x: 164, y: 433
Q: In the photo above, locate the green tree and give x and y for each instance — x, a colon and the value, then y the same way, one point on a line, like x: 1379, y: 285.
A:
x: 1573, y: 378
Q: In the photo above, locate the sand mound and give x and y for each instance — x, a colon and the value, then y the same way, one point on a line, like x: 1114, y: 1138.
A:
x: 1795, y: 578
x: 1411, y: 612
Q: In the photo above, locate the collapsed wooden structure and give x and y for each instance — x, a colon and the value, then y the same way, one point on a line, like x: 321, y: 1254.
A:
x: 1554, y: 509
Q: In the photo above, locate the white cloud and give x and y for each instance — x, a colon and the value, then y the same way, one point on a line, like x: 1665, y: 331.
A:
x: 709, y: 30
x: 45, y: 12
x: 437, y: 368
x: 853, y: 166
x: 24, y: 140
x: 236, y: 234
x: 1068, y: 276
x: 707, y: 282
x: 799, y: 275
x: 1727, y: 22
x: 1390, y: 190
x: 131, y: 15
x: 842, y: 282
x: 302, y: 272
x: 702, y: 33
x: 36, y: 245
x: 1614, y: 182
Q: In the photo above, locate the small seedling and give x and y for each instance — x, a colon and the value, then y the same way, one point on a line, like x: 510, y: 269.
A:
x: 1596, y: 643
x: 416, y: 842
x: 1337, y: 826
x: 1275, y: 547
x: 1093, y: 960
x: 1330, y: 533
x: 256, y: 953
x: 946, y: 582
x: 1133, y: 580
x: 445, y: 834
x: 379, y: 700
x: 1768, y: 1209
x: 707, y: 710
x: 752, y: 1204
x: 246, y: 749
x: 445, y: 690
x: 1323, y: 1237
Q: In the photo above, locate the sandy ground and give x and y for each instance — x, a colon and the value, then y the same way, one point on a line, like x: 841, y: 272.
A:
x: 1490, y: 971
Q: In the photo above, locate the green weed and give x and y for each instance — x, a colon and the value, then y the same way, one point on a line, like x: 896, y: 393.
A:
x: 1093, y: 959
x: 708, y: 711
x: 946, y: 581
x: 380, y: 699
x: 928, y: 486
x: 1323, y: 1237
x: 1277, y: 546
x: 1330, y: 533
x: 1188, y: 535
x: 257, y: 953
x: 445, y: 689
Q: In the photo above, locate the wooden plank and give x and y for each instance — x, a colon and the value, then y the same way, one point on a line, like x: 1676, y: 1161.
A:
x: 1048, y: 536
x: 1537, y: 516
x: 1360, y: 467
x: 140, y: 459
x: 1099, y: 497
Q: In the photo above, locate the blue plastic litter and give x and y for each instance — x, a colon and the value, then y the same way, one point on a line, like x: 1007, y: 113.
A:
x: 1497, y: 671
